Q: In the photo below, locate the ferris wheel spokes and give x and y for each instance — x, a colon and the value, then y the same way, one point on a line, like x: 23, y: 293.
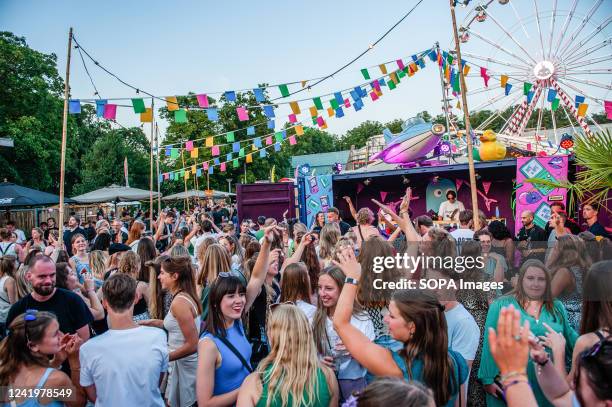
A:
x: 495, y: 61
x: 568, y: 18
x: 499, y: 47
x: 590, y: 36
x: 578, y: 29
x: 587, y: 82
x: 592, y: 61
x: 511, y: 37
x: 581, y: 92
x: 535, y: 4
x: 553, y: 16
x: 576, y: 58
x: 590, y: 71
x: 587, y: 116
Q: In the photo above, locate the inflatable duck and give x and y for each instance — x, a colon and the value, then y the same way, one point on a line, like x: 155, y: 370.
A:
x: 490, y: 148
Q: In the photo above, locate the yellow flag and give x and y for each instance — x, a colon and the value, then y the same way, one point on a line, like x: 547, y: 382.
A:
x: 414, y: 67
x: 187, y: 174
x: 383, y: 68
x: 378, y: 92
x: 330, y: 111
x: 172, y: 103
x: 295, y: 108
x: 253, y: 147
x: 209, y: 141
x: 193, y: 169
x: 503, y: 80
x: 299, y: 130
x: 313, y: 111
x: 324, y: 126
x: 466, y: 69
x: 458, y: 105
x: 249, y: 158
x: 147, y: 116
x: 582, y: 108
x: 304, y: 83
x: 393, y: 77
x: 194, y: 153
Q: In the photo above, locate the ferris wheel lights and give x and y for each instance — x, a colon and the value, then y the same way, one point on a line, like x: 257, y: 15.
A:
x: 567, y: 141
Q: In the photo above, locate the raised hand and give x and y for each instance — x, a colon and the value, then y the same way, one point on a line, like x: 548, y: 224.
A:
x: 510, y: 344
x: 348, y: 263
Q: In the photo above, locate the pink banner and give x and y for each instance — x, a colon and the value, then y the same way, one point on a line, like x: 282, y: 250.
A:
x: 383, y: 195
x: 110, y: 111
x: 458, y: 183
x: 486, y: 185
x: 202, y: 100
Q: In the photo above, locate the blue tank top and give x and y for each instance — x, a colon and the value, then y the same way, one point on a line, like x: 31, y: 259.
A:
x: 32, y: 402
x: 460, y: 371
x: 81, y: 267
x: 230, y: 375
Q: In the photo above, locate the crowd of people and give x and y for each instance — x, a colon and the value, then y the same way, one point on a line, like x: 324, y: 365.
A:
x: 194, y: 308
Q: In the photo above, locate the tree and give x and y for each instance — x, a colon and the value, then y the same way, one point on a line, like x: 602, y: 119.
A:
x: 395, y: 126
x: 359, y: 135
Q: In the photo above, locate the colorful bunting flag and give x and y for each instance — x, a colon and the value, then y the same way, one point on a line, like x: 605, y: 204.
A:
x: 400, y: 64
x: 110, y: 111
x: 215, y: 150
x: 317, y: 102
x: 257, y: 142
x: 582, y: 108
x: 334, y: 104
x: 292, y: 118
x: 295, y: 107
x: 552, y: 95
x: 138, y: 105
x: 262, y: 153
x: 249, y: 158
x: 189, y: 145
x: 277, y: 146
x: 284, y: 90
x: 235, y: 148
x: 174, y: 153
x: 608, y: 108
x: 292, y: 140
x: 222, y: 167
x: 578, y: 100
x: 243, y: 114
x: 100, y: 107
x: 271, y: 124
x: 172, y: 103
x: 194, y: 153
x: 168, y: 151
x: 213, y: 114
x: 466, y: 69
x: 313, y: 111
x: 383, y: 68
x: 339, y: 112
x: 278, y: 136
x: 503, y: 80
x: 74, y: 106
x: 211, y: 170
x: 269, y: 111
x: 320, y: 121
x: 229, y: 156
x: 331, y: 111
x: 347, y: 103
x: 339, y: 98
x: 530, y: 96
x: 374, y: 96
x: 268, y: 140
x: 526, y: 88
x: 216, y: 161
x: 180, y: 116
x: 235, y: 163
x: 229, y: 136
x: 147, y: 116
x: 299, y: 130
x: 209, y: 141
x: 555, y: 104
x: 485, y: 76
x: 365, y: 73
x: 507, y: 88
x: 230, y: 96
x: 358, y: 105
x: 202, y: 100
x: 250, y: 130
x: 241, y: 152
x: 259, y: 95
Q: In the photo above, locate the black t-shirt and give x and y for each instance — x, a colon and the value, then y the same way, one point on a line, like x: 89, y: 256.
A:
x: 257, y: 323
x: 219, y: 215
x: 598, y: 230
x: 70, y: 309
x: 344, y: 227
x: 536, y: 242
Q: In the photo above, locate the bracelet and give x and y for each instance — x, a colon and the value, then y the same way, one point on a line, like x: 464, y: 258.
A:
x: 512, y: 383
x: 348, y: 280
x: 510, y: 375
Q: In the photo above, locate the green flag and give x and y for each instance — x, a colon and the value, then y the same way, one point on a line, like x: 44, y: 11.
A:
x: 365, y: 73
x: 456, y: 85
x: 235, y: 163
x: 180, y: 116
x: 241, y: 152
x: 317, y: 102
x: 278, y: 136
x: 174, y: 153
x: 284, y: 90
x: 526, y: 88
x: 334, y: 104
x: 391, y: 85
x: 229, y: 136
x: 555, y: 104
x: 401, y: 73
x: 139, y: 106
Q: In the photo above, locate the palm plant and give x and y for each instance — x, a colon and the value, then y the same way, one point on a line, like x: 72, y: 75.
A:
x: 594, y: 180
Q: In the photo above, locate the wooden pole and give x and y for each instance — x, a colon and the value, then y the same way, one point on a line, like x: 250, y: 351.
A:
x: 151, y: 166
x: 444, y: 99
x: 64, y: 136
x: 186, y: 203
x: 466, y: 113
x: 157, y: 164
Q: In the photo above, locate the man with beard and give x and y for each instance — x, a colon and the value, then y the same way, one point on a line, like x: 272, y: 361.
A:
x: 71, y: 311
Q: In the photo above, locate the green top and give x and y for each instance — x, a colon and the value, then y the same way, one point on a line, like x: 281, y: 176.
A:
x: 559, y: 322
x: 321, y: 393
x: 259, y: 234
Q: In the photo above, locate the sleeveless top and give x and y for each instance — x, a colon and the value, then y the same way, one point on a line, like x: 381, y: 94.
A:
x: 5, y: 304
x: 231, y: 373
x: 321, y: 390
x: 573, y: 300
x: 7, y: 249
x: 33, y: 402
x: 81, y: 267
x: 171, y: 325
x: 460, y: 372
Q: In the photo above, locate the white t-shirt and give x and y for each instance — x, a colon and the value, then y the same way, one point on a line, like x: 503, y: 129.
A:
x: 348, y: 367
x: 307, y: 308
x: 447, y: 209
x: 462, y: 235
x: 21, y: 239
x: 125, y: 366
x: 200, y: 239
x: 463, y: 332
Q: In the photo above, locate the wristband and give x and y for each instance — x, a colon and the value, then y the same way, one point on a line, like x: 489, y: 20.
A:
x: 348, y: 280
x: 510, y: 375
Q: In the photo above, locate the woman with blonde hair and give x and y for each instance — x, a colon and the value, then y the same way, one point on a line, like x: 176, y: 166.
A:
x: 130, y: 265
x: 201, y: 250
x: 79, y: 262
x: 216, y: 260
x: 364, y: 229
x: 53, y: 242
x: 327, y: 242
x: 291, y: 375
x: 97, y: 265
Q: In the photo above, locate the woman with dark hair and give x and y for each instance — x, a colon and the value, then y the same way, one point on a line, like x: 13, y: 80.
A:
x: 234, y: 249
x: 416, y: 318
x: 183, y: 326
x: 147, y: 252
x: 502, y: 242
x: 225, y: 348
x: 318, y: 222
x: 66, y: 278
x: 160, y: 299
x: 547, y: 317
x: 393, y: 391
x: 295, y: 288
x: 31, y: 354
x: 102, y: 242
x: 8, y: 289
x: 306, y: 253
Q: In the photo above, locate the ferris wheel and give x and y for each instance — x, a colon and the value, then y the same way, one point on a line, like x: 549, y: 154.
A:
x: 537, y: 55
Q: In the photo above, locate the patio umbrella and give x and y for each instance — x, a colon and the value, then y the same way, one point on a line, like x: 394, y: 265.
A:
x: 115, y: 194
x: 197, y: 194
x: 13, y: 195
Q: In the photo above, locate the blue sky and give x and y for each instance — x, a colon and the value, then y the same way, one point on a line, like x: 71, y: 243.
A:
x: 172, y: 48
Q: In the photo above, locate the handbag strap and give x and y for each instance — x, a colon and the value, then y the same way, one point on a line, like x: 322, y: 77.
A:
x: 360, y: 234
x: 236, y: 352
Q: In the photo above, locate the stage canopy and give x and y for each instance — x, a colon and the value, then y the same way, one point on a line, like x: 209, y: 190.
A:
x: 115, y: 194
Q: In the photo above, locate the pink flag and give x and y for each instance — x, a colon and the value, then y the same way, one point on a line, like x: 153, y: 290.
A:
x: 292, y: 118
x: 215, y: 150
x: 292, y: 140
x: 485, y: 76
x: 383, y: 195
x: 608, y: 108
x: 320, y: 121
x: 458, y: 183
x: 189, y: 145
x: 202, y: 100
x: 222, y: 167
x: 205, y: 165
x: 243, y: 114
x: 486, y: 185
x: 166, y: 175
x: 376, y: 85
x: 359, y: 187
x: 269, y: 140
x: 400, y: 64
x: 528, y: 146
x: 347, y: 103
x: 110, y: 111
x: 374, y: 96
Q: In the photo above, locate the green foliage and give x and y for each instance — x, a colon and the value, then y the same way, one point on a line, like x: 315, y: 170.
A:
x: 358, y: 136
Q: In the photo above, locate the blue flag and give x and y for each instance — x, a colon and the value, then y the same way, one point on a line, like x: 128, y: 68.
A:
x: 257, y: 142
x: 74, y: 106
x: 230, y: 96
x: 579, y: 100
x: 212, y: 114
x: 216, y: 161
x: 339, y: 112
x: 277, y: 146
x: 268, y: 111
x: 262, y: 153
x: 251, y: 131
x: 259, y: 95
x: 508, y: 87
x: 552, y: 94
x: 271, y: 124
x: 100, y: 107
x: 339, y: 98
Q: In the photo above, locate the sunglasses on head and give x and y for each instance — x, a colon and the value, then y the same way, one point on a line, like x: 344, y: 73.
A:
x: 272, y: 307
x: 30, y: 315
